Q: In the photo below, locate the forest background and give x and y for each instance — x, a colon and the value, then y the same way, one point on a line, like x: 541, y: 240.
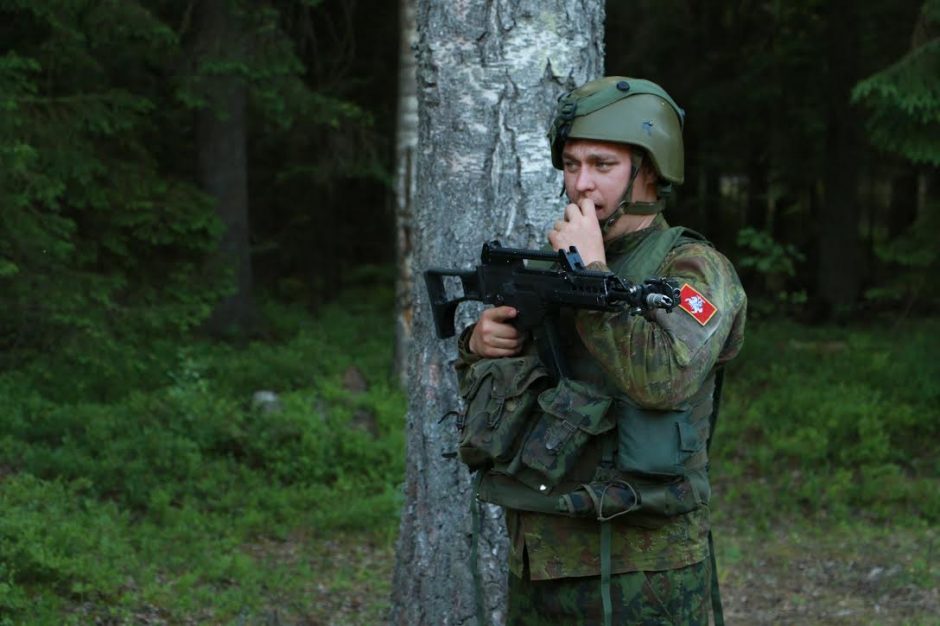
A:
x: 201, y: 413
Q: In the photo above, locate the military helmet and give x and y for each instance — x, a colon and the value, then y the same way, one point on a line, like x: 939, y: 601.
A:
x: 625, y: 110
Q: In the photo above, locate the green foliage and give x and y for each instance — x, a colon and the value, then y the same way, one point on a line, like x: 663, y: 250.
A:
x: 53, y: 537
x: 776, y: 262
x: 97, y: 241
x: 255, y: 52
x: 105, y: 238
x: 913, y: 263
x: 903, y: 100
x: 832, y: 421
x: 151, y: 499
x: 766, y: 255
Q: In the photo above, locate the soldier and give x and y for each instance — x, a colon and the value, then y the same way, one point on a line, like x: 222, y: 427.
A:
x: 623, y: 536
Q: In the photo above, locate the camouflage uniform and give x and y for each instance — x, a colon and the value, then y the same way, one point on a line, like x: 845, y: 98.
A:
x: 659, y: 362
x: 656, y: 373
x: 660, y: 598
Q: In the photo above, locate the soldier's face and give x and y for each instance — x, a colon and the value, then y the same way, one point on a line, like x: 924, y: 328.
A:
x: 599, y: 170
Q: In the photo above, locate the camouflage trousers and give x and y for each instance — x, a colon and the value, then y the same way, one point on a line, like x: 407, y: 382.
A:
x: 679, y: 597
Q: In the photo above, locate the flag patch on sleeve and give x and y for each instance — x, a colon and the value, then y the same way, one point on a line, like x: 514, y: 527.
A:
x: 695, y: 304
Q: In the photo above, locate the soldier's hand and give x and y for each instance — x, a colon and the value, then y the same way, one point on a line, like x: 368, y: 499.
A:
x: 581, y: 229
x: 494, y: 336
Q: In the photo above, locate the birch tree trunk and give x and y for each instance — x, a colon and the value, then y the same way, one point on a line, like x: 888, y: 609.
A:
x: 488, y: 74
x: 406, y: 144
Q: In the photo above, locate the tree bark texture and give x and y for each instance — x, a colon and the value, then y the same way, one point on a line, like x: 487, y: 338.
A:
x: 406, y: 145
x: 488, y: 75
x: 221, y: 132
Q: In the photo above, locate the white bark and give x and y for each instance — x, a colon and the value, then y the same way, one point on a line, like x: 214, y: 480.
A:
x: 489, y: 73
x: 405, y: 183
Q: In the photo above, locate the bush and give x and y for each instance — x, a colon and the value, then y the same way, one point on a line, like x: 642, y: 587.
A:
x: 833, y: 420
x: 164, y: 484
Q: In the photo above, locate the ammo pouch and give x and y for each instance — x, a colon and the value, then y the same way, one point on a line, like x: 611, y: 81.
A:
x: 653, y: 465
x: 499, y: 395
x: 569, y: 415
x: 659, y: 444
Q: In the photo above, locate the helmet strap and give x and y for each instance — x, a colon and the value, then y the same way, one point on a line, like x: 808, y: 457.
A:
x: 626, y: 206
x: 645, y: 208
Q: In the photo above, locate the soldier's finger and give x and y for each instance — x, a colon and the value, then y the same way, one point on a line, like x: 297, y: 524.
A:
x: 586, y: 206
x: 500, y: 313
x: 573, y: 212
x: 504, y: 343
x: 502, y: 330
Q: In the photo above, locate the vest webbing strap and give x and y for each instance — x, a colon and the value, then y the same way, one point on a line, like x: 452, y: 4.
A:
x: 609, y: 449
x: 712, y: 422
x: 716, y: 592
x: 605, y: 572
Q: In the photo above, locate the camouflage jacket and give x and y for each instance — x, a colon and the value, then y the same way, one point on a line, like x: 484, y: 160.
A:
x: 659, y: 361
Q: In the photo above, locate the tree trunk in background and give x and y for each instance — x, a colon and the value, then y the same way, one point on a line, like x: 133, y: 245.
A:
x: 488, y: 75
x: 840, y: 252
x: 902, y: 207
x: 701, y: 169
x: 221, y: 145
x: 757, y: 189
x: 406, y: 144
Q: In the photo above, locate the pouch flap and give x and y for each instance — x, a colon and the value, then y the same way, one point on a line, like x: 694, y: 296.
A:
x: 580, y: 405
x: 510, y: 375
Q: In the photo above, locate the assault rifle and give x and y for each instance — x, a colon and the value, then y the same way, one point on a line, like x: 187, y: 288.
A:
x: 559, y: 279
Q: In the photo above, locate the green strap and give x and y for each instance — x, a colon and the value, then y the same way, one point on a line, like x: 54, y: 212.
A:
x: 605, y: 573
x: 713, y: 421
x: 644, y: 208
x: 716, y: 400
x: 716, y: 592
x: 476, y: 513
x: 627, y: 195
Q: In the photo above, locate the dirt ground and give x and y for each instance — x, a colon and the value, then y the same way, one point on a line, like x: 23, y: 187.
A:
x: 792, y: 574
x: 862, y: 575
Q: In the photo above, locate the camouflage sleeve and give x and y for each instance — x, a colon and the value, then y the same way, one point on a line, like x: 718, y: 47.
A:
x: 662, y: 359
x: 465, y: 358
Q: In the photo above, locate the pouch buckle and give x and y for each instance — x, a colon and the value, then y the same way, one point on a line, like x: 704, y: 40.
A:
x: 556, y: 442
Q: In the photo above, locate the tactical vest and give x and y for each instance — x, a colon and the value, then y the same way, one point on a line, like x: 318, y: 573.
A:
x: 582, y: 447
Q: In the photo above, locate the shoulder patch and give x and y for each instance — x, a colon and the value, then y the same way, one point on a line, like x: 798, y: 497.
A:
x: 696, y: 305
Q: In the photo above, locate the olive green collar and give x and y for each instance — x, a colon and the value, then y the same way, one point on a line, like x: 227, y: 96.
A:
x: 623, y: 244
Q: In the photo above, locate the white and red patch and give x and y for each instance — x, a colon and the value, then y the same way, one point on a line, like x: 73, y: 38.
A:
x: 696, y: 305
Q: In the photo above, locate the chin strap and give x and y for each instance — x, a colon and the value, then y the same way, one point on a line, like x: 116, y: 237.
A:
x: 644, y: 208
x: 632, y: 208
